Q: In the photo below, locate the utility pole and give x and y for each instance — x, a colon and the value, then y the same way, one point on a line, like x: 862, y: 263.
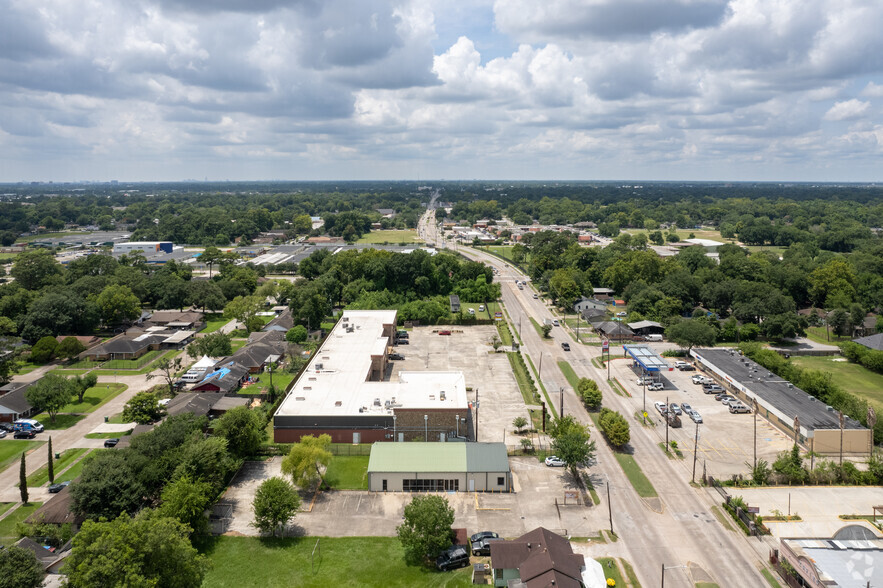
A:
x: 841, y: 437
x: 540, y: 371
x: 667, y: 409
x: 561, y: 408
x: 609, y: 507
x: 695, y: 452
x: 754, y: 402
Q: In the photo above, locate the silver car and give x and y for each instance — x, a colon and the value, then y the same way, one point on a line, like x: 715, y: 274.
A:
x: 696, y: 417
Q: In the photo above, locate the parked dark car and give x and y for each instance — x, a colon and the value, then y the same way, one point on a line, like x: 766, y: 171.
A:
x: 483, y: 547
x: 483, y: 535
x: 56, y: 488
x: 111, y: 442
x: 402, y: 334
x: 24, y: 435
x: 3, y: 433
x: 452, y: 558
x: 565, y: 346
x: 395, y: 356
x: 8, y: 427
x: 401, y: 342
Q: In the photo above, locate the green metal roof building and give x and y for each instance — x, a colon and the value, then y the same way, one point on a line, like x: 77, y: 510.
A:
x: 439, y: 467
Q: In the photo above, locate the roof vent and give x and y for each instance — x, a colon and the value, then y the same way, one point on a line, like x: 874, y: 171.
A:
x: 300, y: 398
x: 338, y: 403
x: 442, y: 395
x: 830, y: 408
x: 319, y: 366
x: 376, y: 402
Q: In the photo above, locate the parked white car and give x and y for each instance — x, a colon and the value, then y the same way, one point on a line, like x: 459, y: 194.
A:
x: 553, y: 461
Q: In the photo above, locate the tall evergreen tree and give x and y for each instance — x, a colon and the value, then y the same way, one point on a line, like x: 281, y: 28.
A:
x: 23, y: 481
x: 51, y: 465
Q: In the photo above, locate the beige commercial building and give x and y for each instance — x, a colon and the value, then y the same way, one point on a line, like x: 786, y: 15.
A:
x: 439, y: 467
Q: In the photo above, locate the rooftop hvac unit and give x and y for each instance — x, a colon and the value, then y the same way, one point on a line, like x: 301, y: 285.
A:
x: 345, y: 319
x: 442, y: 395
x: 319, y: 366
x: 790, y: 385
x: 376, y: 402
x: 830, y: 408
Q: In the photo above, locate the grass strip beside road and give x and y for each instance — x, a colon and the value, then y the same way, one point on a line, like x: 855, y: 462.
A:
x: 538, y: 328
x: 8, y: 534
x: 770, y: 578
x: 374, y: 561
x: 549, y: 405
x: 569, y: 374
x: 73, y: 472
x: 630, y: 572
x: 391, y: 237
x: 62, y: 421
x: 68, y: 457
x: 348, y: 472
x: 116, y: 435
x: 505, y: 334
x: 611, y: 570
x: 636, y: 477
x: 525, y: 384
x: 11, y: 450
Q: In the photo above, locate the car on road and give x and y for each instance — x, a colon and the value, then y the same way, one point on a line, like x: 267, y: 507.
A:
x: 686, y: 408
x: 738, y: 407
x: 395, y: 356
x: 24, y: 435
x: 656, y: 386
x: 661, y: 407
x: 565, y: 346
x: 555, y: 323
x: 483, y: 547
x: 56, y: 488
x: 695, y: 417
x: 111, y: 442
x: 483, y: 535
x: 452, y: 558
x: 536, y: 296
x: 553, y: 461
x: 675, y: 408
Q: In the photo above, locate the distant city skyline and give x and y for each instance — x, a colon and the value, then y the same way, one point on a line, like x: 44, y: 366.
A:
x: 244, y: 90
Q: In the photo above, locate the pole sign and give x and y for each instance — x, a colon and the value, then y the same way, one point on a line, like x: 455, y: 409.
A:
x: 605, y: 345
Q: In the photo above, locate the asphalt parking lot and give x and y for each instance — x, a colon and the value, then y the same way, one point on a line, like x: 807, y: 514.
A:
x: 489, y: 375
x: 725, y: 439
x: 539, y: 500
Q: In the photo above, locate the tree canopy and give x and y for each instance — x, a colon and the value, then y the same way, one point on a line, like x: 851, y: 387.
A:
x: 426, y: 528
x: 276, y: 502
x: 308, y: 459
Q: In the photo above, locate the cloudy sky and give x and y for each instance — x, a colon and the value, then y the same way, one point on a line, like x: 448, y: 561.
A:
x: 432, y: 89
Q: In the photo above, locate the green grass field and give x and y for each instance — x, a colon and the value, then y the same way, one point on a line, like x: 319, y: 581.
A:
x: 637, y: 478
x: 348, y: 472
x: 111, y: 368
x: 8, y: 535
x: 214, y: 322
x: 237, y: 344
x: 73, y: 472
x: 41, y: 476
x: 106, y: 435
x: 280, y: 379
x: 95, y: 398
x: 7, y: 256
x: 391, y: 237
x: 11, y: 450
x: 62, y: 421
x: 611, y: 570
x: 340, y: 561
x: 821, y: 335
x: 852, y: 377
x: 489, y: 309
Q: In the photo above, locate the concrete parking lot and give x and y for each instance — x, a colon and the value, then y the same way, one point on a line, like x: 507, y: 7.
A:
x: 489, y: 375
x: 539, y: 500
x: 725, y: 439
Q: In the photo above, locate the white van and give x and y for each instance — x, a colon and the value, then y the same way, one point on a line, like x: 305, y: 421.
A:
x: 28, y: 425
x: 192, y: 377
x: 471, y: 311
x: 653, y: 338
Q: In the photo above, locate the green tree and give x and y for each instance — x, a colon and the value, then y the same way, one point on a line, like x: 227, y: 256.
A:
x: 276, y: 502
x: 69, y: 348
x: 245, y: 309
x: 142, y: 551
x: 143, y: 408
x: 36, y: 268
x: 110, y: 484
x: 83, y: 383
x: 44, y: 350
x: 186, y: 500
x: 546, y: 330
x: 571, y: 442
x: 168, y: 370
x: 615, y: 427
x: 296, y: 334
x: 244, y: 430
x: 426, y: 529
x: 519, y: 423
x: 206, y: 295
x: 691, y: 333
x: 117, y: 304
x: 19, y: 568
x: 50, y: 394
x: 307, y: 460
x: 23, y: 480
x: 589, y: 393
x: 49, y: 462
x: 215, y: 344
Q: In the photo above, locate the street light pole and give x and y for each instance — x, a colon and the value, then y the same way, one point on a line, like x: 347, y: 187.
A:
x: 426, y: 427
x: 695, y: 451
x: 755, y: 431
x: 609, y: 507
x: 667, y: 410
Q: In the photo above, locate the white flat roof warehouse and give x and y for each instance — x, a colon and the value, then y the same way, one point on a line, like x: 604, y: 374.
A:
x: 335, y: 381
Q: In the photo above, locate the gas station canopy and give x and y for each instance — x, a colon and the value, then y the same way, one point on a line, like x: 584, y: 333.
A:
x: 647, y: 358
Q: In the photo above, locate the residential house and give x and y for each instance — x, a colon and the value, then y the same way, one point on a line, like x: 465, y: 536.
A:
x: 591, y: 315
x: 211, y: 404
x: 539, y: 559
x: 602, y: 293
x: 13, y: 404
x: 874, y: 342
x: 256, y: 357
x: 283, y: 322
x: 644, y: 328
x: 613, y: 330
x: 584, y: 303
x: 174, y: 319
x: 226, y: 378
x: 124, y: 348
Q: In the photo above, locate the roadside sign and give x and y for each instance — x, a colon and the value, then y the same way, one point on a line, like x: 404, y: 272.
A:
x: 754, y: 509
x: 605, y: 344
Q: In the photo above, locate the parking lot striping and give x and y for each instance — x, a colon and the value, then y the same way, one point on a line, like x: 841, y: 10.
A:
x: 475, y: 495
x: 313, y: 501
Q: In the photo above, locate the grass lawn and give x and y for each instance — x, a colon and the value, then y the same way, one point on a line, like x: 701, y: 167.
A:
x: 504, y: 251
x: 41, y: 476
x: 348, y: 472
x: 821, y: 335
x: 73, y: 472
x: 11, y: 450
x: 45, y: 236
x: 637, y: 478
x: 214, y: 322
x: 340, y: 561
x: 7, y: 256
x: 538, y: 328
x: 4, y: 506
x: 62, y: 421
x: 568, y: 372
x: 107, y: 435
x: 393, y: 237
x: 852, y: 377
x: 111, y: 368
x: 95, y: 397
x: 489, y: 309
x: 505, y: 334
x: 770, y: 578
x: 525, y: 383
x: 611, y: 570
x: 237, y: 344
x: 117, y: 419
x: 280, y: 379
x: 8, y: 535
